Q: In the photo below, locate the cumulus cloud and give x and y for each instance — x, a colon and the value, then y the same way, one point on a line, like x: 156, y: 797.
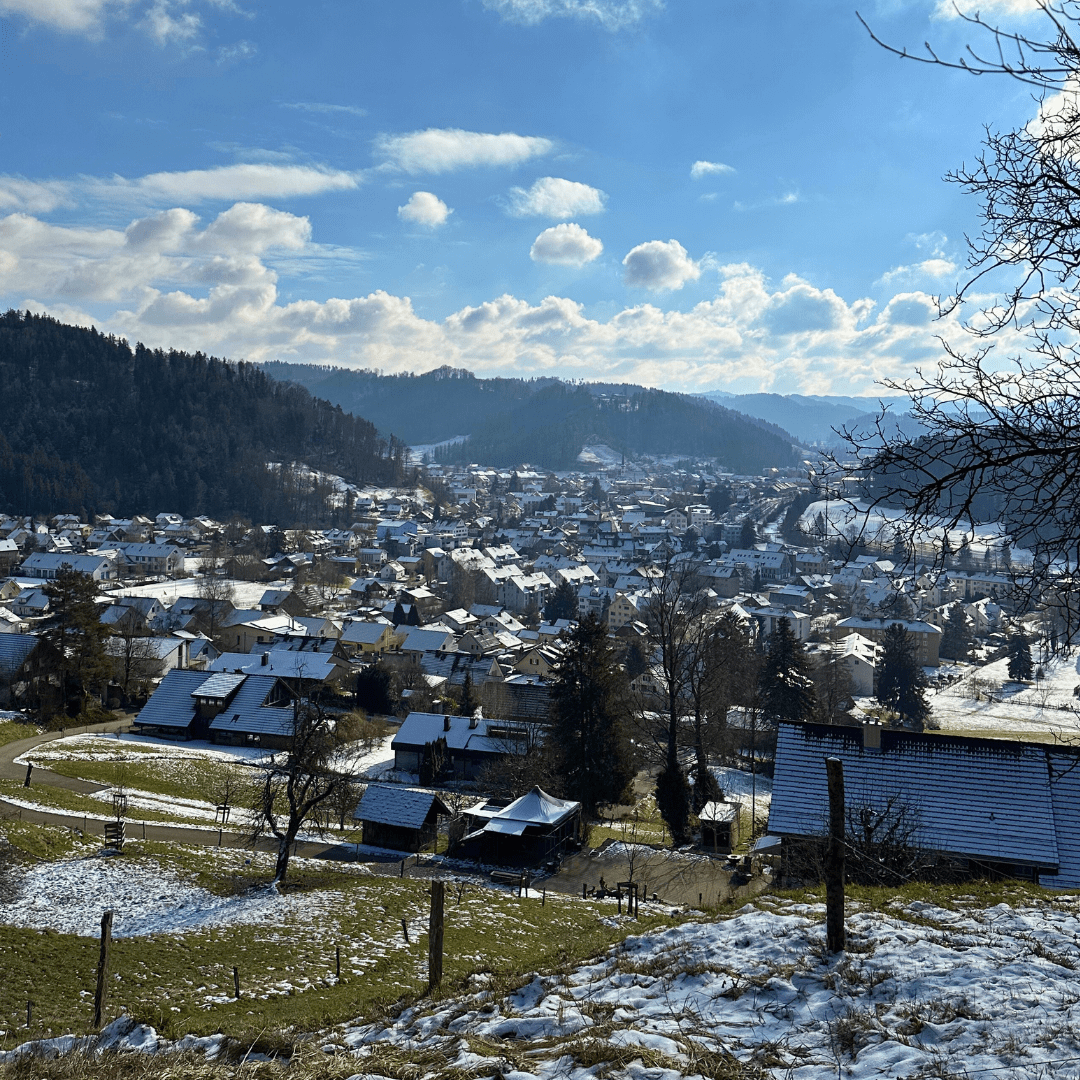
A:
x: 553, y: 197
x: 610, y: 14
x: 439, y: 150
x: 171, y: 279
x: 709, y: 168
x: 932, y: 268
x: 566, y: 245
x: 167, y: 22
x: 659, y: 265
x: 423, y: 208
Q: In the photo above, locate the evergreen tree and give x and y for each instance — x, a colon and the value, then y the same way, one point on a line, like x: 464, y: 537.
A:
x: 588, y: 738
x: 956, y: 638
x: 964, y: 559
x: 78, y: 637
x: 561, y: 604
x: 747, y: 534
x: 787, y: 690
x: 901, y: 681
x: 469, y: 701
x: 1020, y: 662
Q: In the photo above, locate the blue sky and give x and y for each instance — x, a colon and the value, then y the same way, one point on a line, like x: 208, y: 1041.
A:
x: 693, y: 194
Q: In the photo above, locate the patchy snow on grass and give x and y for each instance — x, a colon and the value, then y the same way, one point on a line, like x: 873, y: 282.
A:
x: 136, y: 748
x: 70, y: 896
x: 922, y: 991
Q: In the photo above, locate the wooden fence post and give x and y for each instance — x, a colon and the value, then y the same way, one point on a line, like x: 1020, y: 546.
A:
x: 405, y: 930
x: 435, y: 934
x: 236, y: 982
x: 337, y: 961
x: 834, y: 859
x: 103, y: 969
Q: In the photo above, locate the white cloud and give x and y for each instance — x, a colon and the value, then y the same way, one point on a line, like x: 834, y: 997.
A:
x: 167, y: 22
x: 567, y: 245
x: 610, y: 14
x: 72, y: 16
x: 709, y: 168
x: 659, y: 265
x: 39, y: 196
x: 553, y: 197
x: 438, y: 150
x: 227, y: 183
x: 165, y: 27
x: 423, y: 208
x: 170, y: 279
x: 323, y: 107
x: 937, y: 267
x: 947, y: 9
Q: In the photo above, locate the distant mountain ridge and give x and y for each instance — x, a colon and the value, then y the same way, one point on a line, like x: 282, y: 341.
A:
x: 544, y: 421
x: 816, y: 418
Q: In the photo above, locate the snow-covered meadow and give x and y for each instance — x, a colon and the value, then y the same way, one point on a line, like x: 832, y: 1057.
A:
x: 924, y: 990
x: 984, y: 699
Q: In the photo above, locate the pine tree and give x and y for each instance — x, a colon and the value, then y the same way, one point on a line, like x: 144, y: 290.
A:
x: 1020, y: 662
x: 956, y: 637
x: 588, y: 736
x: 561, y: 604
x: 901, y: 681
x: 787, y: 691
x: 78, y: 637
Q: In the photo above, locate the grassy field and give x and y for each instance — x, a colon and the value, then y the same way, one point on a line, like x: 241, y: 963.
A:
x: 183, y: 983
x: 12, y: 731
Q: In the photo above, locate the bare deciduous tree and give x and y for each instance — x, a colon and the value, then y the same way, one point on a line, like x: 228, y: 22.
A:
x: 1001, y: 435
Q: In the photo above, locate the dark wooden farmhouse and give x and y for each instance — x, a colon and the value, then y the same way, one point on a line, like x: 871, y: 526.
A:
x: 400, y: 818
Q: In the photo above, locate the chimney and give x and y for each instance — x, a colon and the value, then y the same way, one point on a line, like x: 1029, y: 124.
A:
x: 871, y: 735
x: 265, y: 659
x: 446, y: 723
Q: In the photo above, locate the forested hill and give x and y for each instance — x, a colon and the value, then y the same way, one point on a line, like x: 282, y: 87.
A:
x: 545, y: 422
x: 92, y: 426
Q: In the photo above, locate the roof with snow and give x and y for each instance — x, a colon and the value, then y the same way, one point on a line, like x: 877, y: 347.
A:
x: 391, y: 804
x: 988, y: 799
x: 535, y: 809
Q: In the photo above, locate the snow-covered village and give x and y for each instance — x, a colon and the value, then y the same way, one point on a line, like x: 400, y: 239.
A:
x: 539, y: 540
x: 269, y: 747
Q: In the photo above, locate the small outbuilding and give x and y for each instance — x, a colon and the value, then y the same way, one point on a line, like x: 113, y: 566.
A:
x: 400, y: 818
x: 720, y: 827
x: 534, y: 829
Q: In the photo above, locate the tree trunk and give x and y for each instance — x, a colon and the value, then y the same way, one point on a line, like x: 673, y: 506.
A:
x: 285, y: 846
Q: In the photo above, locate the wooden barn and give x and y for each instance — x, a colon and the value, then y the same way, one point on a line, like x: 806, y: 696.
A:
x: 400, y: 818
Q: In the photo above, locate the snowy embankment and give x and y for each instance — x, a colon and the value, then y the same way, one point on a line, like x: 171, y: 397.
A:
x: 984, y: 698
x: 922, y: 991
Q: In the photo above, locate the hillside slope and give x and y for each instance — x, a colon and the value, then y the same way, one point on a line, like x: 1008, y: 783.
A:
x: 546, y: 422
x: 91, y: 425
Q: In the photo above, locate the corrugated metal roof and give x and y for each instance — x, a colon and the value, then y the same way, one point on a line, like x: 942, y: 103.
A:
x: 389, y: 804
x: 987, y: 799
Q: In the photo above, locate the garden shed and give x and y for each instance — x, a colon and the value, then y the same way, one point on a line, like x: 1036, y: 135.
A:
x: 400, y: 818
